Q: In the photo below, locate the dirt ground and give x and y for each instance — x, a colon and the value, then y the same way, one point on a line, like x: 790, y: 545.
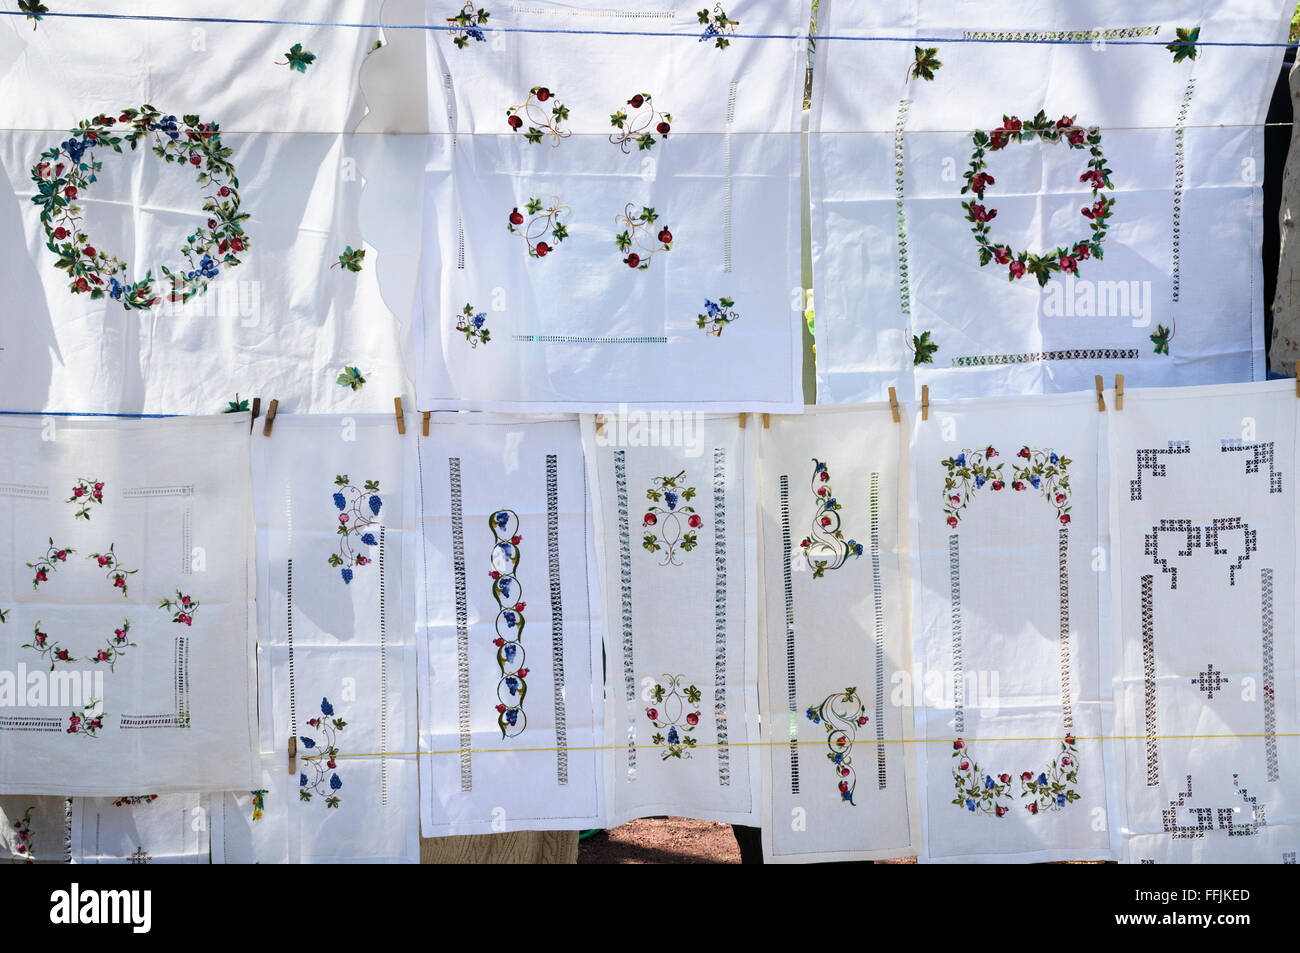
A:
x: 669, y: 840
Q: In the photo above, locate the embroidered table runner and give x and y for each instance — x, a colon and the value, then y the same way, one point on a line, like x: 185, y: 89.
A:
x: 1204, y: 526
x: 335, y: 657
x: 1008, y: 598
x: 600, y: 208
x: 673, y: 503
x: 509, y: 723
x: 126, y: 605
x: 141, y: 829
x: 1047, y: 192
x: 840, y: 782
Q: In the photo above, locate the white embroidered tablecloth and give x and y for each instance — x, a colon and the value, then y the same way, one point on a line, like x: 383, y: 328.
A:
x: 509, y: 723
x: 613, y: 218
x: 126, y: 640
x: 335, y: 650
x: 673, y: 503
x: 267, y: 302
x: 141, y: 829
x: 1008, y: 598
x: 1203, y: 511
x: 35, y: 830
x: 1034, y: 114
x: 840, y: 780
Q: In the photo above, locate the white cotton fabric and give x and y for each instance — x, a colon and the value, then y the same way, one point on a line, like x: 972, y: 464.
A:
x: 288, y: 319
x: 846, y: 629
x: 543, y: 771
x: 988, y: 631
x: 681, y: 653
x: 894, y: 256
x: 579, y: 330
x: 331, y: 650
x: 35, y: 830
x: 175, y: 698
x: 141, y: 829
x: 1203, y: 518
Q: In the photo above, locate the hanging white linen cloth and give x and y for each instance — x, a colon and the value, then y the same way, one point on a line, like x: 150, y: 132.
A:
x: 35, y: 830
x: 509, y: 718
x: 335, y: 655
x: 676, y: 542
x: 126, y: 567
x: 1009, y: 600
x: 141, y: 829
x: 839, y: 774
x: 930, y: 227
x: 281, y: 100
x: 1204, y: 523
x: 612, y: 207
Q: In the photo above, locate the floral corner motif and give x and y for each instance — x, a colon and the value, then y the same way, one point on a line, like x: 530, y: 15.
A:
x: 358, y: 518
x: 675, y: 714
x: 86, y: 494
x: 716, y: 316
x: 88, y: 722
x: 182, y: 608
x: 113, y: 569
x: 324, y: 781
x: 42, y: 567
x: 115, y: 647
x: 1041, y: 792
x: 48, y: 650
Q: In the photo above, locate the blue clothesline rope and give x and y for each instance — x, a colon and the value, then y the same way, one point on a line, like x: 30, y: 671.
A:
x: 452, y: 28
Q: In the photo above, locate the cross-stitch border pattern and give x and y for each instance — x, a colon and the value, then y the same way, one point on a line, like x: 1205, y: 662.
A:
x: 720, y: 614
x: 557, y: 617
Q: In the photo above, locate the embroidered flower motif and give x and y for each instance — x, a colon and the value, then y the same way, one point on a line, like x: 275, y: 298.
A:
x: 182, y: 608
x: 42, y: 568
x: 842, y: 714
x: 87, y: 722
x: 49, y: 651
x: 825, y: 548
x: 324, y: 780
x: 541, y: 228
x: 471, y: 325
x: 716, y: 26
x: 970, y: 470
x: 1161, y: 339
x: 352, y: 259
x: 640, y: 125
x: 1063, y: 259
x: 676, y: 716
x: 990, y: 795
x: 358, y: 516
x: 297, y: 58
x: 925, y: 63
x: 113, y: 570
x: 717, y: 315
x: 24, y: 842
x: 542, y: 113
x: 509, y: 625
x: 635, y: 239
x: 85, y: 494
x: 465, y: 25
x: 130, y: 800
x: 115, y: 647
x: 351, y: 377
x: 259, y: 803
x: 923, y: 349
x: 65, y: 172
x: 670, y: 506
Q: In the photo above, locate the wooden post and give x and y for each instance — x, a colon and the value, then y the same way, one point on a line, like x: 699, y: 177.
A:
x: 521, y: 847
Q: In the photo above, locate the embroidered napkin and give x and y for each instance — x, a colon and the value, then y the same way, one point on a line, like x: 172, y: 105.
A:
x: 35, y: 830
x: 674, y: 514
x: 612, y: 193
x: 335, y: 659
x: 263, y: 235
x: 508, y: 620
x: 126, y: 605
x: 1203, y: 512
x: 840, y: 779
x: 1046, y: 193
x: 141, y: 829
x: 1008, y: 594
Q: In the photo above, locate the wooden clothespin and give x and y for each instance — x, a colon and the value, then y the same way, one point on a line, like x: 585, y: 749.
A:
x: 1101, y: 400
x: 426, y: 422
x: 1119, y: 392
x: 257, y: 409
x: 270, y: 417
x: 767, y: 421
x: 925, y: 401
x: 401, y: 417
x: 600, y: 424
x: 744, y: 421
x: 893, y: 405
x: 293, y: 755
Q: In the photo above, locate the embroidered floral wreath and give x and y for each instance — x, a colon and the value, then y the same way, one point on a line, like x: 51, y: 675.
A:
x: 66, y: 171
x: 1064, y: 259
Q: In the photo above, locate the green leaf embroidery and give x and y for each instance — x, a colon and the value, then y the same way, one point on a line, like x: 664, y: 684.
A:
x: 924, y: 349
x: 297, y: 58
x: 236, y: 405
x: 351, y: 377
x: 351, y: 259
x: 1161, y: 339
x: 927, y: 61
x: 1184, y: 48
x: 33, y: 9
